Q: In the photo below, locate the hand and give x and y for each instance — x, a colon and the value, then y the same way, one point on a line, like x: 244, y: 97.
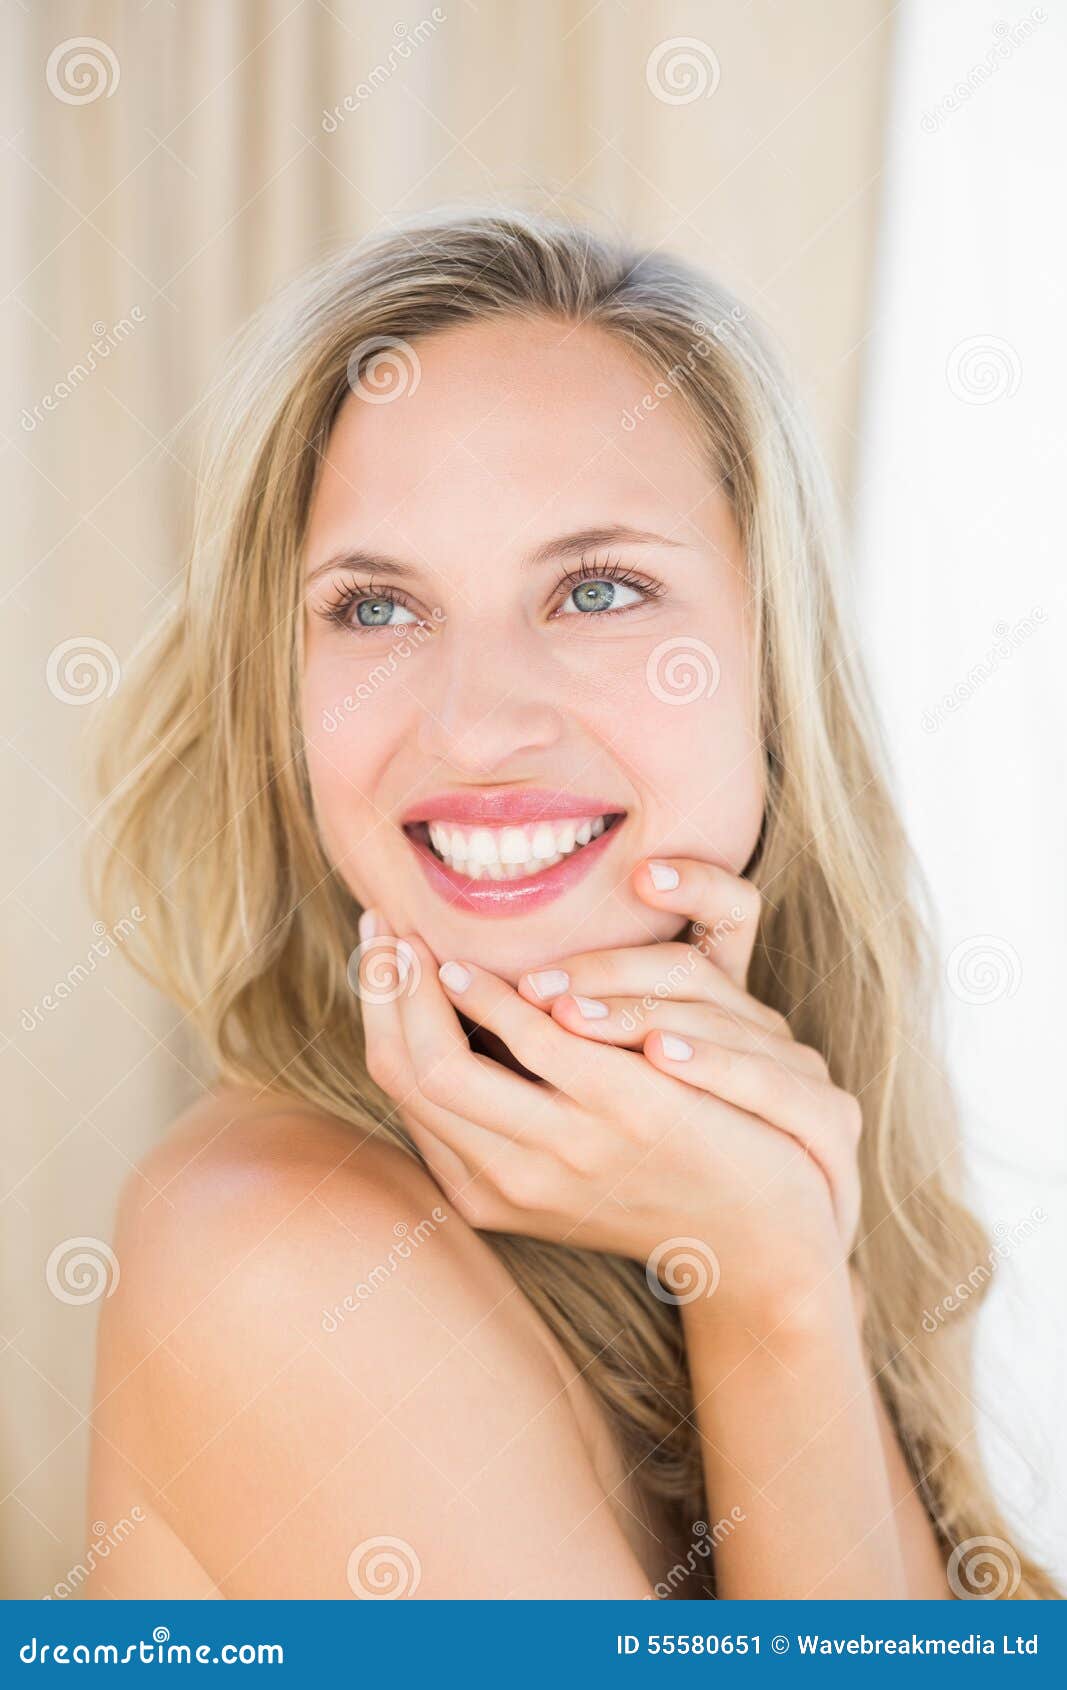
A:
x: 744, y: 1148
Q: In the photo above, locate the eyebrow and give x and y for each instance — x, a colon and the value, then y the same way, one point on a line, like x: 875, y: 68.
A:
x: 562, y: 546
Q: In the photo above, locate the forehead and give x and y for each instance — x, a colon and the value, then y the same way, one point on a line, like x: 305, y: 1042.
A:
x: 513, y: 428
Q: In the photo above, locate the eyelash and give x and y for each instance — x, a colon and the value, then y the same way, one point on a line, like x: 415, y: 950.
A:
x: 339, y: 608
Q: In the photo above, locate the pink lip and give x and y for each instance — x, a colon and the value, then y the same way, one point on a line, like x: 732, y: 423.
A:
x: 503, y: 808
x: 509, y: 897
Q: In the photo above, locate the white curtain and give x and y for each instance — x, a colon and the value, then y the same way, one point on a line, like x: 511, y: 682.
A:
x: 155, y: 185
x: 962, y: 474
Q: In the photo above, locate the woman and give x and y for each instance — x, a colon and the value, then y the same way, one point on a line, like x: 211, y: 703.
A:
x: 568, y: 1231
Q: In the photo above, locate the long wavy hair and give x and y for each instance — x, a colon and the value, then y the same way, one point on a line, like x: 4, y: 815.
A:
x: 208, y: 797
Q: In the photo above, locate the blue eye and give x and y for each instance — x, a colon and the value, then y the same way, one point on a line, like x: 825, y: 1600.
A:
x: 596, y: 595
x: 378, y: 613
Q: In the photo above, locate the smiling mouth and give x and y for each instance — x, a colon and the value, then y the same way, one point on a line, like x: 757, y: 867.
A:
x: 513, y: 853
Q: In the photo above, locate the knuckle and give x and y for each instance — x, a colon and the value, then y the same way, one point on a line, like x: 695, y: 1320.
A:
x: 441, y: 1082
x: 851, y: 1111
x: 473, y: 1204
x: 383, y: 1063
x: 523, y: 1184
x: 580, y: 1156
x: 814, y: 1060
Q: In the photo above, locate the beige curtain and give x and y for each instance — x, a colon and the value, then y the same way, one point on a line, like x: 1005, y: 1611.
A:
x: 165, y: 166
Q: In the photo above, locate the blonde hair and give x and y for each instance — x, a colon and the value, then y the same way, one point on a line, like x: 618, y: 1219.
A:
x: 209, y: 799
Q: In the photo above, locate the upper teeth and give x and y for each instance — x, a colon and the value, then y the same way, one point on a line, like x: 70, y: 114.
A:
x: 505, y: 853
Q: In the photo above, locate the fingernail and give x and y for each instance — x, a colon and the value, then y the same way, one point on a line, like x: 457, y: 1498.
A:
x: 674, y: 1048
x: 406, y: 960
x: 664, y: 877
x: 550, y: 983
x: 591, y: 1008
x: 454, y: 976
x: 368, y: 925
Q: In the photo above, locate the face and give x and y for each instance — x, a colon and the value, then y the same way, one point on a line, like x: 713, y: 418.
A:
x: 528, y: 661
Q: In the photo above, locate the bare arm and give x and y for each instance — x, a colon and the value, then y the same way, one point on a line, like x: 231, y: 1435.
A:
x: 796, y: 1437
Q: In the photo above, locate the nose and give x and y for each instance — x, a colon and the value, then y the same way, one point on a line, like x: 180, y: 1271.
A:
x: 490, y: 704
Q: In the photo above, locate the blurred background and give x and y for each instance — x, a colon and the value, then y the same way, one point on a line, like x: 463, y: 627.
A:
x: 877, y: 181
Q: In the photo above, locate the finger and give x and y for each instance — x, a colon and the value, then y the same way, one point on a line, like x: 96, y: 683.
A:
x: 626, y: 1023
x: 723, y: 908
x: 822, y: 1120
x: 571, y: 1066
x: 379, y: 979
x: 447, y: 1072
x: 649, y: 974
x: 502, y: 1128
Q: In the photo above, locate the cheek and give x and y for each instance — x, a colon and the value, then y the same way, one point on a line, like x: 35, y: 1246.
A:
x: 685, y: 730
x: 350, y: 728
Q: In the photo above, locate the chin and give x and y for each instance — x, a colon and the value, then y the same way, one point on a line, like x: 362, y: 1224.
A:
x: 526, y: 942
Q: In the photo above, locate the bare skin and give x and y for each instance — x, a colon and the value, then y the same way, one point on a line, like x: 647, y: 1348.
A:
x: 267, y: 1427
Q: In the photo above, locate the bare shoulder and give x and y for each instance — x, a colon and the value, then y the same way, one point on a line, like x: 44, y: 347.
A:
x: 326, y: 1378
